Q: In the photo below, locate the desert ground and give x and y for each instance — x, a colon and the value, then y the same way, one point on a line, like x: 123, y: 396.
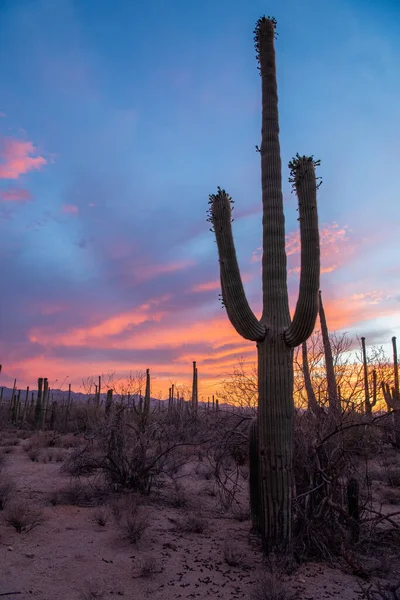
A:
x: 82, y: 540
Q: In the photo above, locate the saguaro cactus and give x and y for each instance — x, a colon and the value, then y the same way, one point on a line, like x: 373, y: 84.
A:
x: 195, y: 389
x: 333, y: 397
x: 368, y: 402
x: 312, y: 403
x: 275, y: 333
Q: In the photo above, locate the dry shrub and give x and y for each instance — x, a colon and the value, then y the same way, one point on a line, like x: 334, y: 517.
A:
x: 100, y: 516
x: 82, y: 462
x: 177, y: 497
x: 130, y: 518
x: 2, y: 460
x: 34, y: 454
x: 83, y: 494
x: 133, y: 526
x: 382, y: 591
x: 22, y: 517
x: 391, y: 496
x: 9, y: 440
x: 271, y: 587
x: 7, y: 488
x: 55, y: 498
x: 232, y: 556
x: 326, y: 456
x: 240, y: 514
x: 92, y: 590
x: 393, y: 477
x: 147, y: 568
x: 192, y: 524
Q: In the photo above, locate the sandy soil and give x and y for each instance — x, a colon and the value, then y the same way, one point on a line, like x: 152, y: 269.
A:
x: 69, y: 554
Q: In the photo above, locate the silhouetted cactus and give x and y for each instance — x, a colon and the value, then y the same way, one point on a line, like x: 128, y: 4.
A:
x: 392, y: 395
x: 275, y: 333
x: 255, y: 499
x: 38, y: 407
x: 195, y: 390
x: 368, y: 403
x: 109, y: 403
x: 312, y: 403
x: 333, y: 397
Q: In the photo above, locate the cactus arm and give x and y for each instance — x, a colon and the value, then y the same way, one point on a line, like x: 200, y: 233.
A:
x: 305, y: 182
x: 233, y: 295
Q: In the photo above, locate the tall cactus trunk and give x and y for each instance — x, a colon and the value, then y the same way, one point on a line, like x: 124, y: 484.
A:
x: 333, y: 396
x: 275, y: 333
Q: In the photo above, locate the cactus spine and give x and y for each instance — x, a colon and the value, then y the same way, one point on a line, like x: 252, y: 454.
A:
x: 275, y: 333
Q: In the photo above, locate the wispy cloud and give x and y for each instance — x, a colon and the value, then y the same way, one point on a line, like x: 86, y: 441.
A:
x: 15, y: 195
x: 70, y: 209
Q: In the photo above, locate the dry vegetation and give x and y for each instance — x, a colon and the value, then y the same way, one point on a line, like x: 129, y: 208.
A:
x: 164, y: 506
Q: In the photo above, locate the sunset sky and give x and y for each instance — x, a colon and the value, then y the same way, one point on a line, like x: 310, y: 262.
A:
x: 118, y: 119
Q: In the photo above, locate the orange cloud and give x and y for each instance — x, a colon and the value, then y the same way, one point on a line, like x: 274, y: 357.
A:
x: 17, y: 158
x: 70, y: 209
x: 15, y: 195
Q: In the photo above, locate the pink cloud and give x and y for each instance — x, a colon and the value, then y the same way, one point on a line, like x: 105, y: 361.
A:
x: 332, y: 239
x: 144, y: 273
x: 15, y: 195
x: 70, y: 209
x: 207, y: 286
x: 17, y: 158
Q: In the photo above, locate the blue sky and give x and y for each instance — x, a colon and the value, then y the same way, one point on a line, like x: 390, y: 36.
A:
x: 136, y: 113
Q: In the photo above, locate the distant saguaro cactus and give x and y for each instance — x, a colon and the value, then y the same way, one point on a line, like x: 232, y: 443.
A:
x: 195, y: 389
x: 275, y: 333
x: 392, y: 395
x: 39, y: 407
x: 368, y: 403
x: 333, y: 396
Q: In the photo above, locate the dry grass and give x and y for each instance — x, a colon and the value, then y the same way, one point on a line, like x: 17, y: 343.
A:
x: 100, y: 516
x: 22, y: 517
x: 232, y: 556
x: 272, y: 587
x: 192, y: 523
x: 7, y: 488
x: 92, y: 590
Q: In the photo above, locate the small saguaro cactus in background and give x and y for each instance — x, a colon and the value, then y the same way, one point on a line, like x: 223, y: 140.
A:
x: 195, y: 389
x: 333, y: 397
x: 275, y: 333
x: 368, y: 402
x: 38, y: 407
x: 392, y: 395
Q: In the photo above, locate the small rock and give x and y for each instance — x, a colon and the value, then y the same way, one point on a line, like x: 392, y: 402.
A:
x: 29, y: 555
x: 10, y: 548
